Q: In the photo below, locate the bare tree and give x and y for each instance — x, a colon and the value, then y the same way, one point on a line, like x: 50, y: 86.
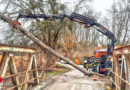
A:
x: 120, y: 18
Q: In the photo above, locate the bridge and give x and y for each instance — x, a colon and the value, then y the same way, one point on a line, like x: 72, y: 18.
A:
x: 119, y: 77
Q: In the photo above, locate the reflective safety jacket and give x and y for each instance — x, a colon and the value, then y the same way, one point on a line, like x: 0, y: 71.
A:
x: 88, y: 64
x: 94, y: 63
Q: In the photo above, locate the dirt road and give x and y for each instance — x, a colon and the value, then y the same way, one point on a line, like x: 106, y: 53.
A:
x: 75, y: 80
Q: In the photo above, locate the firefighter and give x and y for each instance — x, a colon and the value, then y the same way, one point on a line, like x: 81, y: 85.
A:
x: 94, y: 65
x: 76, y: 61
x: 120, y: 60
x: 89, y: 63
x: 85, y: 62
x: 108, y: 65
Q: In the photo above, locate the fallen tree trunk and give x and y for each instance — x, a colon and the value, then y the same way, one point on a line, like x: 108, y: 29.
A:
x: 42, y: 45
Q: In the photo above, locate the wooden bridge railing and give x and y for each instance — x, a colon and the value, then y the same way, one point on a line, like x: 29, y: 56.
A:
x: 9, y: 69
x: 121, y: 74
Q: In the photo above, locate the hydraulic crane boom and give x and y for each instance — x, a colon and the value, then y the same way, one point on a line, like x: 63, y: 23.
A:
x: 89, y: 22
x: 92, y: 22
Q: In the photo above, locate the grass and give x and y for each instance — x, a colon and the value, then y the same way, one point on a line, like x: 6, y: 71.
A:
x: 108, y: 87
x: 58, y: 71
x: 59, y: 66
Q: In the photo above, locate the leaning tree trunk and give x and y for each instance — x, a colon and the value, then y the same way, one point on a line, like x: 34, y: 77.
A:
x: 42, y: 45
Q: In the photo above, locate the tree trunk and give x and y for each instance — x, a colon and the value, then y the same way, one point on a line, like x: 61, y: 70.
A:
x: 43, y: 46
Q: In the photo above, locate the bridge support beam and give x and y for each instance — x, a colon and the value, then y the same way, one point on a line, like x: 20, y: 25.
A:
x: 9, y: 61
x: 13, y: 70
x: 116, y: 70
x: 31, y: 65
x: 127, y: 71
x: 35, y: 73
x: 4, y: 64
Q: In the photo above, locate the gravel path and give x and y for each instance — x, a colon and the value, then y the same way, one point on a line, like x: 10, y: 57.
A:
x: 75, y: 80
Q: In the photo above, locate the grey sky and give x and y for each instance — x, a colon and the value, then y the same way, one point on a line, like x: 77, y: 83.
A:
x: 102, y: 5
x: 1, y: 7
x: 99, y: 5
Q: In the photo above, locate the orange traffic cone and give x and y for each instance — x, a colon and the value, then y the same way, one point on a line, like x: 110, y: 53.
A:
x: 94, y: 77
x: 1, y: 83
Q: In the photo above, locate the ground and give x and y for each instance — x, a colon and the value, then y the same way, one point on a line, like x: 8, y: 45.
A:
x: 75, y: 80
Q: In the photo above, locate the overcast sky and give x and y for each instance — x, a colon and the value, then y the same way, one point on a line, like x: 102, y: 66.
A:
x: 99, y: 5
x: 102, y: 5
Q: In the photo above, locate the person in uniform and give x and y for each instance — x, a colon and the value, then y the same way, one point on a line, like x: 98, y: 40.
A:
x: 94, y: 65
x: 85, y: 61
x: 108, y: 66
x: 76, y: 61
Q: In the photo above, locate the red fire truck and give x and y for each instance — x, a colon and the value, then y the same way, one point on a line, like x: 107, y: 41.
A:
x: 101, y: 56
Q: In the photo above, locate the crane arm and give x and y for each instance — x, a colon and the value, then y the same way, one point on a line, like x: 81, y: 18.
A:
x: 89, y: 22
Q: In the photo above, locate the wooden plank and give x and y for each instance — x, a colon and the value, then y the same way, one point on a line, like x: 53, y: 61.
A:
x: 127, y: 70
x: 27, y: 74
x: 117, y: 80
x: 114, y: 58
x: 4, y: 64
x: 123, y: 73
x: 13, y: 70
x: 35, y: 73
x: 112, y: 75
x: 7, y: 48
x: 123, y: 50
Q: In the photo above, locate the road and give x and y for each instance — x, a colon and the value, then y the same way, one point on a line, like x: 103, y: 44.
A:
x: 75, y: 80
